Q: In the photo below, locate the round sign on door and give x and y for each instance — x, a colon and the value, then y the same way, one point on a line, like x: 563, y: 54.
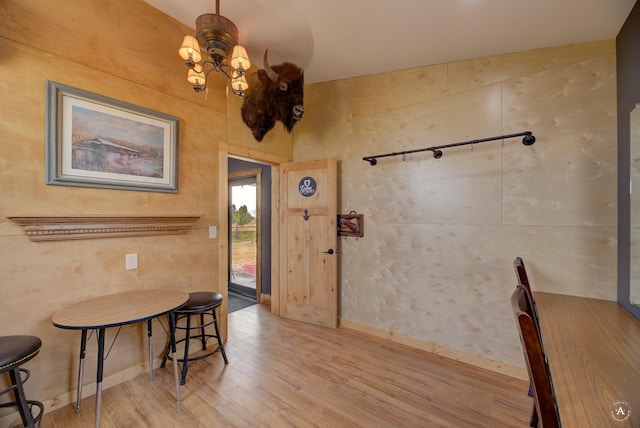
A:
x: 307, y: 187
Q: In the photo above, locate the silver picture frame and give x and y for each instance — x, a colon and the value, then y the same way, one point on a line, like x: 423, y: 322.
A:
x: 96, y: 141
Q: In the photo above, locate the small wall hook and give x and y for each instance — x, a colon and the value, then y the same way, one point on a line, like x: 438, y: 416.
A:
x: 306, y: 214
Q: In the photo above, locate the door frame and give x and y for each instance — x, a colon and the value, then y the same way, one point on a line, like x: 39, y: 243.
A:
x: 223, y: 215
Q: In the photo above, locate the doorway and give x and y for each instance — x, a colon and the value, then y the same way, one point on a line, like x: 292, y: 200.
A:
x: 244, y: 231
x: 248, y: 233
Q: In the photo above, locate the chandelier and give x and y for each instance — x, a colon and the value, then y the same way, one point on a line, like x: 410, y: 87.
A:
x: 218, y: 36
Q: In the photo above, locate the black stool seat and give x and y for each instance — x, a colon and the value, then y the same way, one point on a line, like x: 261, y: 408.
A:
x: 200, y: 303
x: 15, y: 351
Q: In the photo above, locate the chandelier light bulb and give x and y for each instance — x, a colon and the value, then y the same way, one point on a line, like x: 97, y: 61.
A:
x: 190, y: 50
x: 196, y: 78
x: 239, y: 58
x: 239, y: 84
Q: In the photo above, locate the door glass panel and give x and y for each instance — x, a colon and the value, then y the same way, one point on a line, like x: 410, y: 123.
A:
x: 242, y: 278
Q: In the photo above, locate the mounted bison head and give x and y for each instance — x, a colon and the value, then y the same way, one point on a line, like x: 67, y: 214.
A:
x: 275, y: 93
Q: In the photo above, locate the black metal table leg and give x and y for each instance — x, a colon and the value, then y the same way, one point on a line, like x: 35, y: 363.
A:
x: 83, y: 349
x: 172, y: 344
x: 99, y: 375
x: 149, y: 334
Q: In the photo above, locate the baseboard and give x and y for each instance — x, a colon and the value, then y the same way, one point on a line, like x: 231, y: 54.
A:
x: 454, y: 354
x: 265, y: 298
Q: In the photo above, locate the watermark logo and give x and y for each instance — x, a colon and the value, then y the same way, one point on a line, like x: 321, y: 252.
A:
x: 620, y: 411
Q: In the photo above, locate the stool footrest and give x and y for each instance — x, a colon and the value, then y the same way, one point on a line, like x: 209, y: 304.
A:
x: 31, y: 403
x: 199, y: 356
x: 27, y: 374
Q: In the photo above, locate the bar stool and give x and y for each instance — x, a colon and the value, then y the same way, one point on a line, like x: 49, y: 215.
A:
x: 200, y: 303
x: 14, y: 351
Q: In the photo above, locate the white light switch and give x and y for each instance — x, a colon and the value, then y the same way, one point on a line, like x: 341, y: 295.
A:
x: 213, y: 232
x: 131, y: 261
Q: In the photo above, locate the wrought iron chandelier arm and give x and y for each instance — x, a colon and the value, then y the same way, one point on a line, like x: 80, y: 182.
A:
x: 210, y: 66
x: 224, y: 68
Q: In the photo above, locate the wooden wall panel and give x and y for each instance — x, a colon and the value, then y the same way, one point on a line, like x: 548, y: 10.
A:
x: 434, y: 268
x: 124, y: 50
x: 126, y: 38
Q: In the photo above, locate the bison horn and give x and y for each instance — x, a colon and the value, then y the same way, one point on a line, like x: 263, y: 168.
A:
x: 267, y: 68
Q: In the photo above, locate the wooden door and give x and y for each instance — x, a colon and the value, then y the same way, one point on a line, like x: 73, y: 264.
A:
x: 308, y: 238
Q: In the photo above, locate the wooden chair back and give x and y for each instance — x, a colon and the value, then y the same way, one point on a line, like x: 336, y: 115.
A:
x: 521, y: 273
x: 539, y: 374
x: 523, y: 279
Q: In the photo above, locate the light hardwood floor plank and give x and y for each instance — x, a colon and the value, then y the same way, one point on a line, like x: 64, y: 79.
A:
x: 285, y: 373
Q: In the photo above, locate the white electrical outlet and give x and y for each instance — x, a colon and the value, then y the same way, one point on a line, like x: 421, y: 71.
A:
x: 131, y: 261
x: 213, y: 232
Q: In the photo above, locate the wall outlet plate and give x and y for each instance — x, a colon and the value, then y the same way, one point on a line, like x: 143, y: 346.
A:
x: 131, y: 261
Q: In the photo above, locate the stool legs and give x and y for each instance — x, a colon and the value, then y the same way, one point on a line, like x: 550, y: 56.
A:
x: 220, y: 344
x: 17, y: 350
x: 185, y: 359
x: 21, y: 402
x: 201, y: 335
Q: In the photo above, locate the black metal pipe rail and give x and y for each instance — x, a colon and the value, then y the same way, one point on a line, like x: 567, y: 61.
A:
x: 528, y: 140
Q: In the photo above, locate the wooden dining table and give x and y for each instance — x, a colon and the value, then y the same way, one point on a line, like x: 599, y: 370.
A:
x: 593, y: 352
x: 116, y: 310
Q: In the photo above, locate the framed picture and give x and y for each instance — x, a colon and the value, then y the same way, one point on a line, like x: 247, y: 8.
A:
x: 96, y: 141
x: 351, y: 224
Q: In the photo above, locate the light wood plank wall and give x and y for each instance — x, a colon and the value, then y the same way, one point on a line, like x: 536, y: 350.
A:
x: 128, y: 51
x: 434, y: 268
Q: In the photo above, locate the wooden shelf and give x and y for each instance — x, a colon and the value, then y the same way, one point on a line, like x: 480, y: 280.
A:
x: 65, y: 228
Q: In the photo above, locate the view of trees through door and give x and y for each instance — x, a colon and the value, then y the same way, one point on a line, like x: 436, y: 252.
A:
x: 244, y: 232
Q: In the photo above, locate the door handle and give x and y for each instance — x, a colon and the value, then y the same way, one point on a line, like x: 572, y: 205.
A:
x: 329, y: 251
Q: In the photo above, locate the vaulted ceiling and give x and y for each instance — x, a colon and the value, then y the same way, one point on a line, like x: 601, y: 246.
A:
x: 338, y: 39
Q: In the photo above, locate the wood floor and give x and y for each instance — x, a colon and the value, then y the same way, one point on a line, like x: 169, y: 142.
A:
x: 288, y: 374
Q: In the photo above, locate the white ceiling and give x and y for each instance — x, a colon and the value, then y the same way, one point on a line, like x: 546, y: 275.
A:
x: 338, y: 39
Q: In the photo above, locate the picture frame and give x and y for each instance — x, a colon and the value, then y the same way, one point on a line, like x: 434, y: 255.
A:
x: 97, y: 141
x: 351, y: 224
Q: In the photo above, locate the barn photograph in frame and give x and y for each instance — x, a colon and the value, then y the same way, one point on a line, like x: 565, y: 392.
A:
x: 96, y: 141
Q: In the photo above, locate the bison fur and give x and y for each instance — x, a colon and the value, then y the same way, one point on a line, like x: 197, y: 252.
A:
x: 275, y: 94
